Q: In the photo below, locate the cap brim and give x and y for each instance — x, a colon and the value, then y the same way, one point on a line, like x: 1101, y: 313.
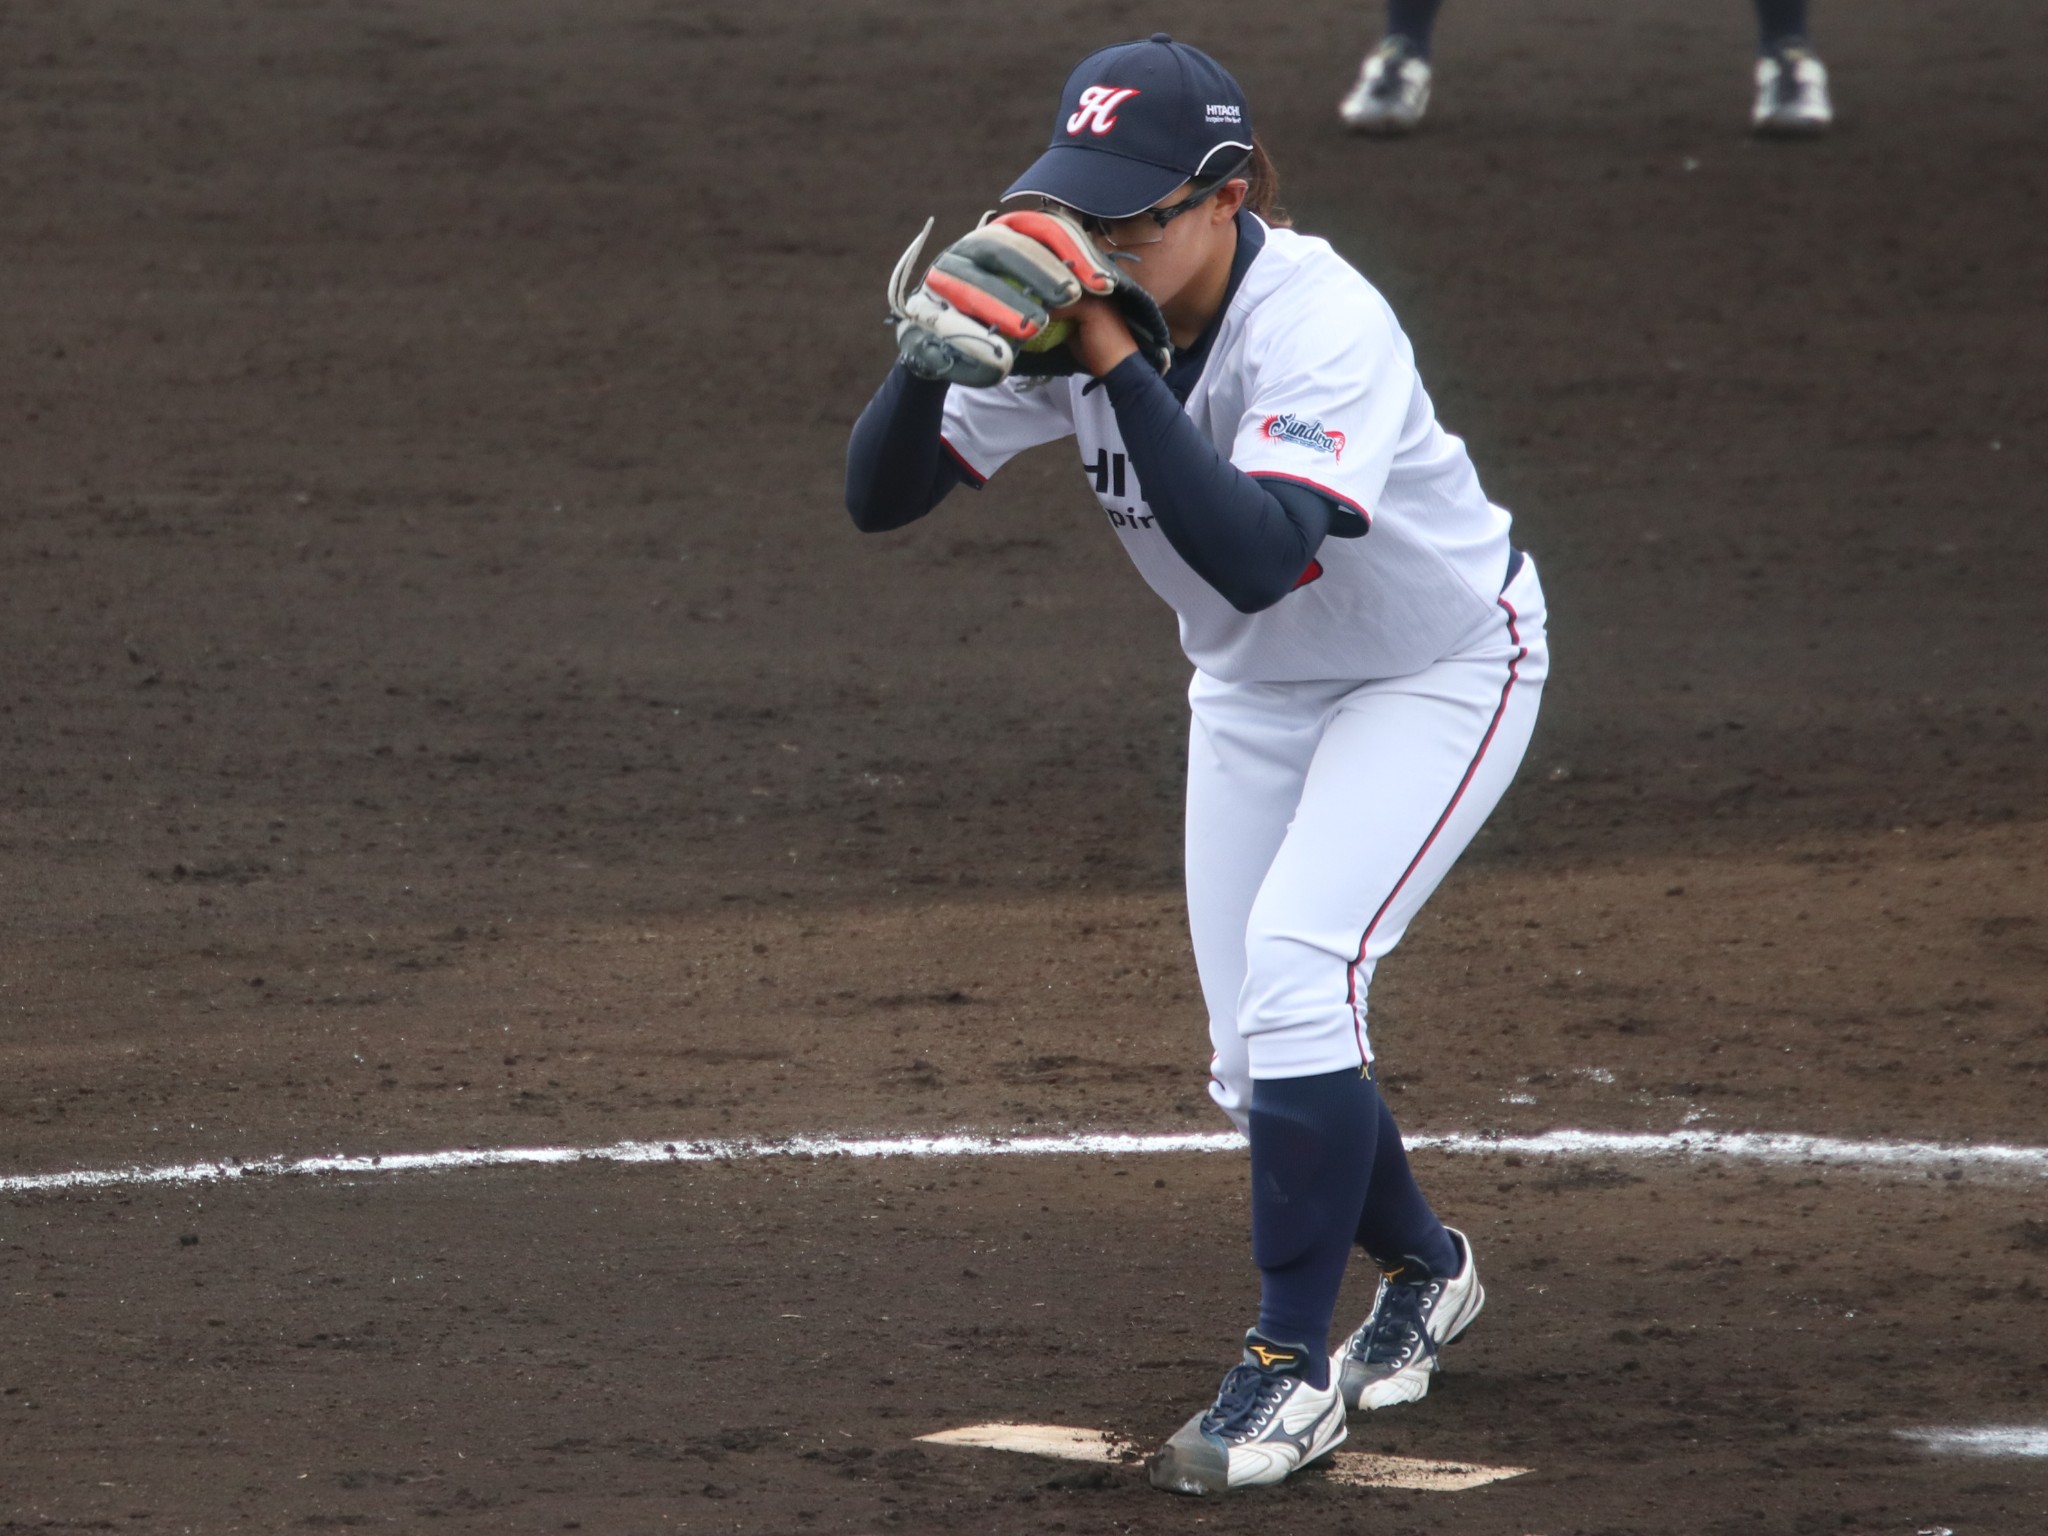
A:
x: 1109, y: 186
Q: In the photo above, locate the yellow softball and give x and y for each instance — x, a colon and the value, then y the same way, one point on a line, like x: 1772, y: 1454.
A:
x: 1055, y: 332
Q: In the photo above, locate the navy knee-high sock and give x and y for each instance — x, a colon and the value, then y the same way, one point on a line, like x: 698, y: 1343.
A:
x: 1312, y: 1161
x: 1397, y: 1226
x: 1779, y: 22
x: 1414, y: 20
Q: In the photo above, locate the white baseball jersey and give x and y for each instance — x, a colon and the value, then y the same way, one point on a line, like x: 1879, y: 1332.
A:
x: 1309, y: 379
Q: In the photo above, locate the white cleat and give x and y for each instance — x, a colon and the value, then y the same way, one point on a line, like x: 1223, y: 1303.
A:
x: 1390, y: 1358
x: 1392, y: 91
x: 1266, y: 1422
x: 1791, y: 95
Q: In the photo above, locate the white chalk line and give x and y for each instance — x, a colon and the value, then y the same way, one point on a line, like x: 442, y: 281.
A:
x: 1743, y: 1146
x: 1995, y: 1440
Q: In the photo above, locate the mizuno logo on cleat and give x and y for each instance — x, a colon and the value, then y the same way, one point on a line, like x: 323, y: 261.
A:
x: 1272, y: 1357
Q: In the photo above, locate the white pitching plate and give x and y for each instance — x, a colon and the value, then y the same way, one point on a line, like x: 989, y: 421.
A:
x: 1352, y: 1468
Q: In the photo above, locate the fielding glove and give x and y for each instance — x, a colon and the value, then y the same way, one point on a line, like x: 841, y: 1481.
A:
x: 987, y: 299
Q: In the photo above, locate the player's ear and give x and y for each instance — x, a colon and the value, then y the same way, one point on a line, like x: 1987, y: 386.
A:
x: 1228, y: 199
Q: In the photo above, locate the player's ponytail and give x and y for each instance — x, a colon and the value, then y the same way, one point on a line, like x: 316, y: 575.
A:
x: 1263, y: 196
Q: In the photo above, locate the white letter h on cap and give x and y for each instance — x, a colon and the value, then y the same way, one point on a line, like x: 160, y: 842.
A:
x: 1098, y: 108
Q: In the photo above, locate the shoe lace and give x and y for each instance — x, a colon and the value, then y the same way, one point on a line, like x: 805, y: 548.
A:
x: 1788, y: 88
x: 1388, y: 84
x: 1242, y: 1401
x: 1397, y: 1324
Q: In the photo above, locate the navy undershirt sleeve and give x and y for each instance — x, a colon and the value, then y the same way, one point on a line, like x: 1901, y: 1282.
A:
x: 896, y: 468
x: 1249, y: 540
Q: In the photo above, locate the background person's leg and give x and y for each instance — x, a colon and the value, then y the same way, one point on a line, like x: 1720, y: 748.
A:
x: 1415, y: 20
x: 1779, y: 24
x: 1793, y: 99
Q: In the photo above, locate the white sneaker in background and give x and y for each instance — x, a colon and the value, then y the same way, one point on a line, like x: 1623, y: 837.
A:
x: 1791, y: 95
x: 1392, y: 91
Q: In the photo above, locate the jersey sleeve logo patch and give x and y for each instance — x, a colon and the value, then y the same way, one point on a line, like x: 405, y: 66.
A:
x: 1306, y: 434
x: 1098, y: 108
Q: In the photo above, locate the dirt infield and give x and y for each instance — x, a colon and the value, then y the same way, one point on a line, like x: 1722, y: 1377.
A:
x: 447, y: 706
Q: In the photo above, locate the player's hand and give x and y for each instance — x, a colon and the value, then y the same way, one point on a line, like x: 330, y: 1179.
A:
x: 1100, y: 339
x: 1113, y: 316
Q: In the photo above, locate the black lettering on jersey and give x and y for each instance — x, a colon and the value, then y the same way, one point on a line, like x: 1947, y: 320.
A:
x: 1130, y: 517
x: 1108, y: 472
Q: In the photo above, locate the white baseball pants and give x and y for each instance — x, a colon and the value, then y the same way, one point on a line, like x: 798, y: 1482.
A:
x: 1321, y: 816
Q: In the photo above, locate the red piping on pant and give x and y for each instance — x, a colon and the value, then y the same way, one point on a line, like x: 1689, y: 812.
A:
x: 1493, y: 726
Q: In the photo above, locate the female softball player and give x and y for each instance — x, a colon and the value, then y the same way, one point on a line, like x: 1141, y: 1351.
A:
x: 1368, y: 653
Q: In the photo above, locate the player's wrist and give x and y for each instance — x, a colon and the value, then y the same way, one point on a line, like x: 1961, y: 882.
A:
x: 1101, y: 340
x: 1119, y: 351
x: 1130, y: 372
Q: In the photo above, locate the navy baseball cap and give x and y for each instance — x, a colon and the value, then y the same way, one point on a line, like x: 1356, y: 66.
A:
x: 1135, y: 122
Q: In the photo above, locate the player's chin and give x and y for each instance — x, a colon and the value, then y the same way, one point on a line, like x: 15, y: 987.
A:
x: 1149, y: 277
x: 1163, y: 275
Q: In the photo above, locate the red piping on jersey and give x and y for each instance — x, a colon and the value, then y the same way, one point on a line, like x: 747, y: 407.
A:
x: 1317, y: 487
x: 974, y: 476
x: 1492, y: 727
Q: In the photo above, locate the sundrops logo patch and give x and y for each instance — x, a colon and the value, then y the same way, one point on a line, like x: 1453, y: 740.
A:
x: 1304, y: 433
